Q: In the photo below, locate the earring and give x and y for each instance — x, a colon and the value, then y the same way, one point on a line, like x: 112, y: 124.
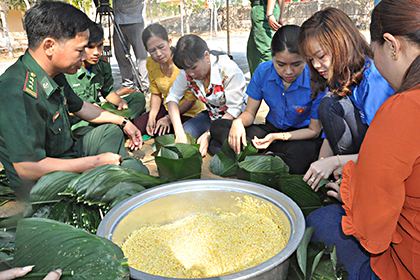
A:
x: 393, y: 55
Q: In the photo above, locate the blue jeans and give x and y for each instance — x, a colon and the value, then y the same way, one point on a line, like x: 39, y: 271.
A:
x: 342, y: 124
x: 198, y: 125
x: 327, y: 223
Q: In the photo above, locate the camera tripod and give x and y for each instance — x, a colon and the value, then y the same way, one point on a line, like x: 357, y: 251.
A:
x: 103, y: 9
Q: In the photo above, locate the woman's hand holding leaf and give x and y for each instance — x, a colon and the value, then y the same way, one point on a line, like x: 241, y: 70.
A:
x: 181, y: 137
x: 150, y: 126
x: 334, y: 191
x: 237, y: 136
x: 320, y: 169
x: 204, y: 141
x: 163, y: 126
x: 263, y: 143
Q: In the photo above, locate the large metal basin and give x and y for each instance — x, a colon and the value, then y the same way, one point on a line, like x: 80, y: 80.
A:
x: 170, y: 202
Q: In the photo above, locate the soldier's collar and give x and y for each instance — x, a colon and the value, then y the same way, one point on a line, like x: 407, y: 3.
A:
x: 44, y: 80
x: 83, y: 71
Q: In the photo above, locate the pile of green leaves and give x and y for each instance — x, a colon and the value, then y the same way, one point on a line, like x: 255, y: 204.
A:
x: 81, y: 200
x: 50, y: 245
x: 269, y: 171
x: 314, y: 260
x: 6, y: 193
x: 226, y: 162
x: 176, y: 160
x: 179, y: 161
x: 168, y: 139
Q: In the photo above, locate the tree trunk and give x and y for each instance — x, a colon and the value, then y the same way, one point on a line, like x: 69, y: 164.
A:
x: 181, y: 9
x: 28, y: 6
x: 6, y: 33
x: 187, y: 24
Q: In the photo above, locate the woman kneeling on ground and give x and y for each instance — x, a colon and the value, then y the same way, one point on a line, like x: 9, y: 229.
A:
x: 292, y: 127
x: 162, y: 74
x: 215, y: 80
x: 381, y: 193
x: 341, y: 63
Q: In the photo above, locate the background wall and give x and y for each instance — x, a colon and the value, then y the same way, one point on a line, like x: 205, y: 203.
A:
x: 295, y: 13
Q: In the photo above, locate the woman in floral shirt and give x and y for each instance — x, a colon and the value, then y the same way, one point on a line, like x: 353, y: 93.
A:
x: 214, y: 79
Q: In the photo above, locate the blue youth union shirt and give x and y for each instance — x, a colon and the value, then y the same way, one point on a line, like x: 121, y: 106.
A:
x: 372, y: 91
x: 293, y: 107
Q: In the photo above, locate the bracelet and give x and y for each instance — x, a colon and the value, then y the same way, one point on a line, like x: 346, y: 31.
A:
x: 124, y: 123
x: 167, y: 116
x: 267, y: 16
x: 339, y: 160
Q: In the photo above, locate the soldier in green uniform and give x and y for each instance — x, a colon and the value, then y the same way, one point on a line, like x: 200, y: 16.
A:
x: 264, y: 15
x: 95, y: 79
x: 35, y: 101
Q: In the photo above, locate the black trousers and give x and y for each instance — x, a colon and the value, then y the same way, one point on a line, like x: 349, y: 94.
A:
x: 297, y: 154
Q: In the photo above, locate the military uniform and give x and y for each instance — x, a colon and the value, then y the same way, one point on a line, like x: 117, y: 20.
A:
x: 259, y: 40
x: 34, y: 121
x: 90, y: 84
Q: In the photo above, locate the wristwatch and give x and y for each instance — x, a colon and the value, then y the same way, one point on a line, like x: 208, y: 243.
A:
x: 124, y: 123
x: 267, y: 16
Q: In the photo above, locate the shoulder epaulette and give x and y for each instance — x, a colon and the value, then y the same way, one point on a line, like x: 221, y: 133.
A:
x: 30, y: 85
x: 104, y: 58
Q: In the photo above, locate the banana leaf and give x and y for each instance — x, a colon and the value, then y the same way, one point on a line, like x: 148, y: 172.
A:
x: 7, y: 242
x: 179, y: 161
x: 120, y: 192
x: 50, y: 245
x: 225, y: 162
x: 51, y: 185
x: 3, y: 178
x: 134, y: 164
x: 81, y: 199
x: 314, y: 260
x: 92, y: 185
x: 300, y: 192
x: 167, y: 139
x: 262, y: 169
x: 111, y: 108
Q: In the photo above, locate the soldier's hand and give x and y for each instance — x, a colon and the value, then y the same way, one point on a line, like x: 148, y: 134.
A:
x: 108, y: 158
x: 134, y: 136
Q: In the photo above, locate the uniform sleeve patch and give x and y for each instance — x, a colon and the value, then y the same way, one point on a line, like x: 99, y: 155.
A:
x: 30, y: 86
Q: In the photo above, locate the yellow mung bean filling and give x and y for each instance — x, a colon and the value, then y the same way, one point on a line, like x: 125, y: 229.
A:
x: 208, y: 244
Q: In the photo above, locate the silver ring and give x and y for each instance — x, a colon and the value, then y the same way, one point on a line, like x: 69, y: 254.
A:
x: 312, y: 180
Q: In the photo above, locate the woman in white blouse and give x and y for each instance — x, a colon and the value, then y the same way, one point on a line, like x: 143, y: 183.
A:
x: 214, y: 79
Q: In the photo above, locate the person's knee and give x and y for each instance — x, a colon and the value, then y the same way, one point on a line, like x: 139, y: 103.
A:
x: 327, y: 222
x: 219, y: 130
x: 112, y: 130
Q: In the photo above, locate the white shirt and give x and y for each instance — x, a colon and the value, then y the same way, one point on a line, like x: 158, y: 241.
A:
x: 226, y: 91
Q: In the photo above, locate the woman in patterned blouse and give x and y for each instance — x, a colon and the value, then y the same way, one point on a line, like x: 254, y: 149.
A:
x: 214, y: 79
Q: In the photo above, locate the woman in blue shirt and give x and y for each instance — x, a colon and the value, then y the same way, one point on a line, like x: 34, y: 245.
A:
x: 341, y: 62
x: 292, y: 126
